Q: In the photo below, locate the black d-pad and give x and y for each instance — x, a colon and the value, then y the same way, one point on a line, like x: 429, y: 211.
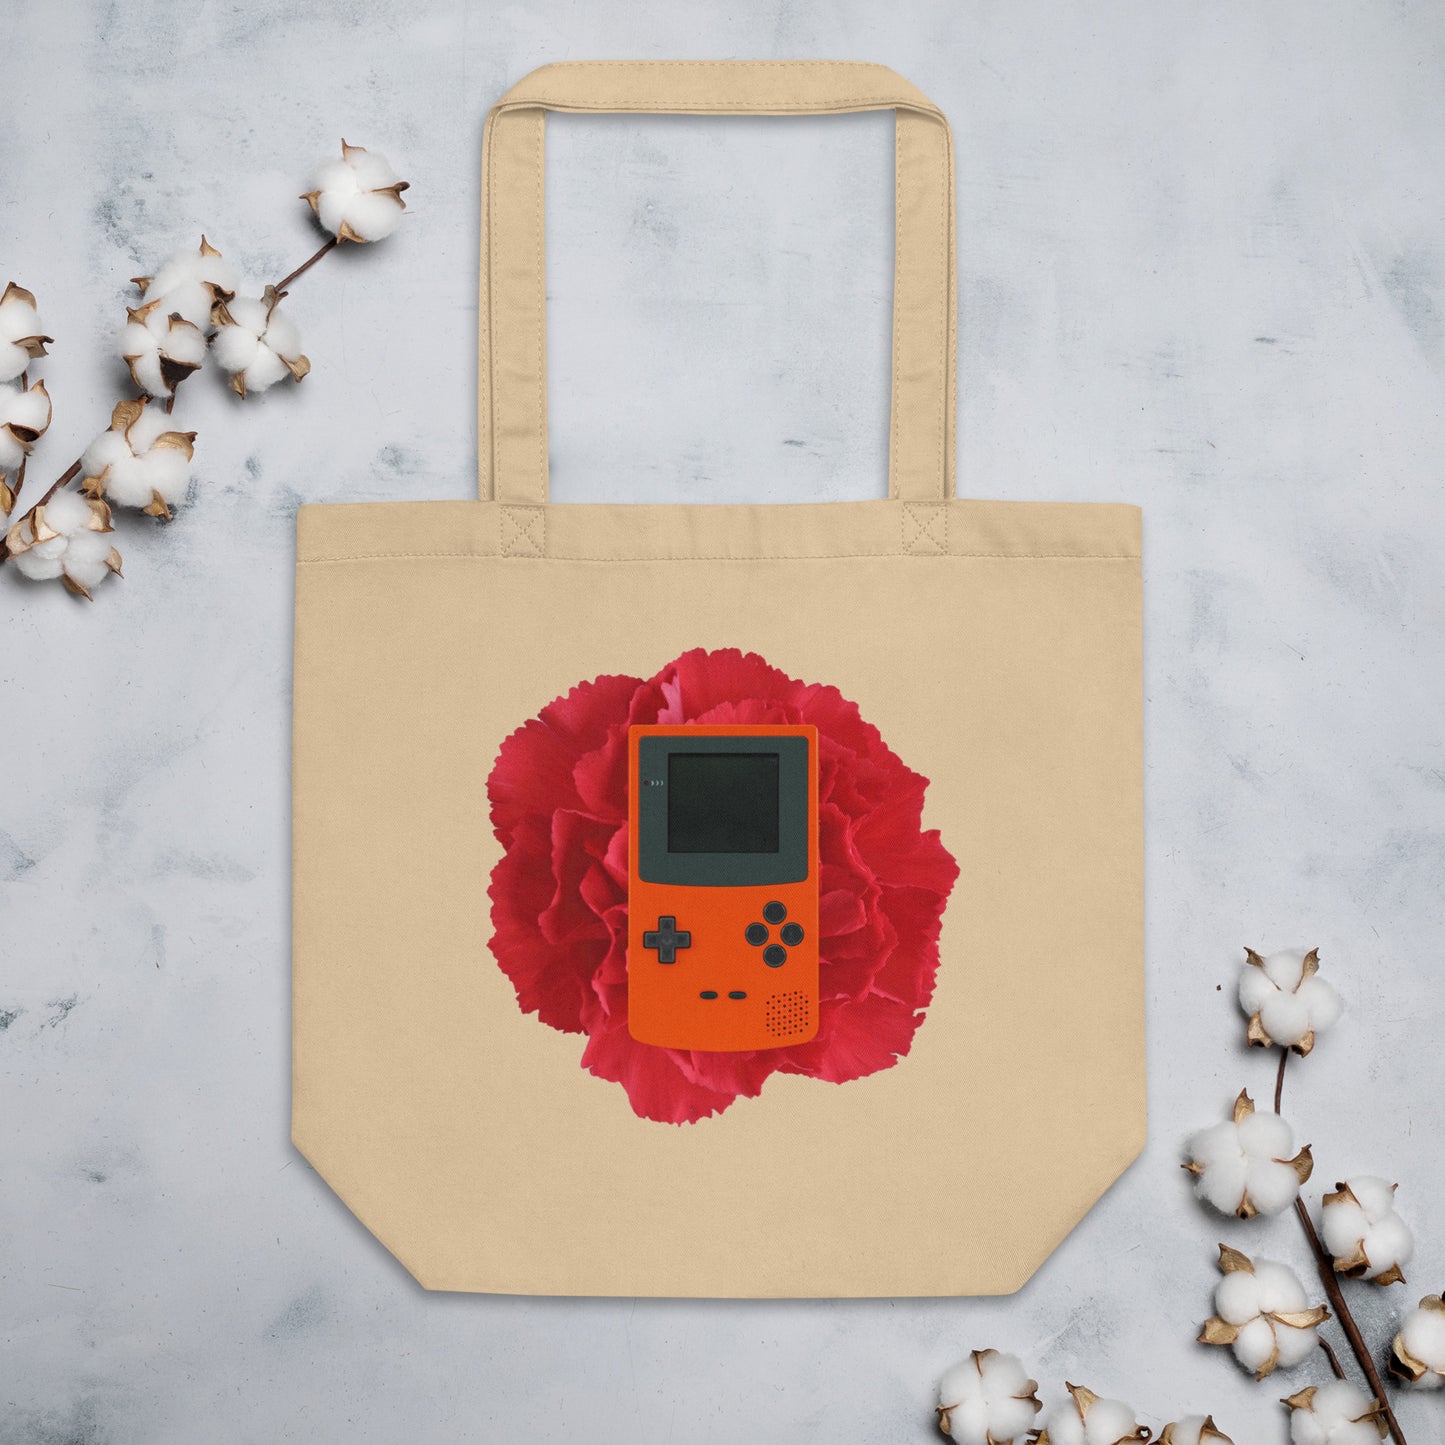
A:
x: 667, y: 939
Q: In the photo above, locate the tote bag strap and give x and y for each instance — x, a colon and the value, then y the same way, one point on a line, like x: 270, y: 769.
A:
x: 512, y: 359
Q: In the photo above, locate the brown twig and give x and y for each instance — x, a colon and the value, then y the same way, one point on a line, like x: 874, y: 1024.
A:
x: 1333, y: 1358
x: 305, y: 265
x: 1326, y: 1268
x: 1325, y: 1265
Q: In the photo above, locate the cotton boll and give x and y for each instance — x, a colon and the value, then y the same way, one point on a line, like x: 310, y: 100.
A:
x: 24, y: 417
x: 258, y: 343
x: 987, y: 1399
x: 138, y: 462
x: 1262, y: 1312
x: 87, y: 558
x: 66, y: 536
x: 190, y: 283
x: 1287, y: 1003
x: 22, y: 338
x: 1362, y: 1231
x: 160, y: 349
x: 1242, y: 1166
x: 357, y: 198
x: 1418, y: 1353
x: 1334, y: 1414
x: 1088, y: 1420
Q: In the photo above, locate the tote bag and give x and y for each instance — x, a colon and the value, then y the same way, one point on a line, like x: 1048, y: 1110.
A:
x: 962, y: 1074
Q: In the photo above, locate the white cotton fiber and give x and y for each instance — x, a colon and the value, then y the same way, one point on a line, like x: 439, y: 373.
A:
x: 1255, y: 1344
x: 145, y: 343
x: 11, y: 451
x: 85, y: 558
x: 1423, y: 1333
x: 1280, y: 1290
x: 1108, y: 1422
x: 1065, y: 1427
x: 1334, y: 1416
x: 1366, y: 1224
x: 68, y: 512
x: 1289, y: 1007
x: 234, y: 347
x: 18, y: 322
x: 38, y: 564
x: 1273, y: 1186
x: 265, y: 370
x: 189, y: 282
x: 1264, y: 1135
x: 356, y: 192
x: 1236, y: 1297
x: 988, y: 1398
x: 1285, y: 1017
x: 258, y: 344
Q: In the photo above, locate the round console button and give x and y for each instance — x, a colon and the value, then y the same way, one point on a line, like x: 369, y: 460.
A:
x: 774, y: 911
x: 791, y: 934
x: 774, y: 956
x: 756, y: 933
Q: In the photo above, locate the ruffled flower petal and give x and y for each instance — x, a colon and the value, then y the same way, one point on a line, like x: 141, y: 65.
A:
x: 558, y: 794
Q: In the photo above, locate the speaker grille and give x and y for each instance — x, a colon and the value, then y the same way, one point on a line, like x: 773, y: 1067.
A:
x: 787, y: 1013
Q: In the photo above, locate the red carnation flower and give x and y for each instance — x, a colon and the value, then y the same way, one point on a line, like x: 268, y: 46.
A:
x: 558, y: 795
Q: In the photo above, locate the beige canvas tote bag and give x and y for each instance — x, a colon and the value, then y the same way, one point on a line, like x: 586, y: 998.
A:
x: 847, y: 999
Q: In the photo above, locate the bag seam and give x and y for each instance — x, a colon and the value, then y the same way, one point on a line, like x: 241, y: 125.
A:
x: 725, y: 557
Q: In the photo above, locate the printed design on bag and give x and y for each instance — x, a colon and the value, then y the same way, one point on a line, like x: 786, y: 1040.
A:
x: 559, y: 806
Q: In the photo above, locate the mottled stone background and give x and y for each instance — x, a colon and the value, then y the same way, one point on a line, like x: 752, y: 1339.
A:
x: 1202, y: 269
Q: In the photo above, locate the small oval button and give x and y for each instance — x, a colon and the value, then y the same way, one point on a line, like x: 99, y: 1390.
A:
x: 708, y: 993
x: 775, y: 956
x: 737, y: 993
x: 791, y: 934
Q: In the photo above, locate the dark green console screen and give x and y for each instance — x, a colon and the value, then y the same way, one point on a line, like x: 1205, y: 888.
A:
x: 722, y: 802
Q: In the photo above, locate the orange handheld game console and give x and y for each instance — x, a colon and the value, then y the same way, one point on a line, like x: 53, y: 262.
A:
x: 722, y: 886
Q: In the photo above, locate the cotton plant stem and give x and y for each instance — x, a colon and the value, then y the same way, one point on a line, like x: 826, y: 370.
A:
x: 1333, y: 1358
x: 306, y: 265
x: 1326, y: 1267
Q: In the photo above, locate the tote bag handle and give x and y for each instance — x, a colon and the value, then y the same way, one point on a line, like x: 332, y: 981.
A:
x: 512, y: 357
